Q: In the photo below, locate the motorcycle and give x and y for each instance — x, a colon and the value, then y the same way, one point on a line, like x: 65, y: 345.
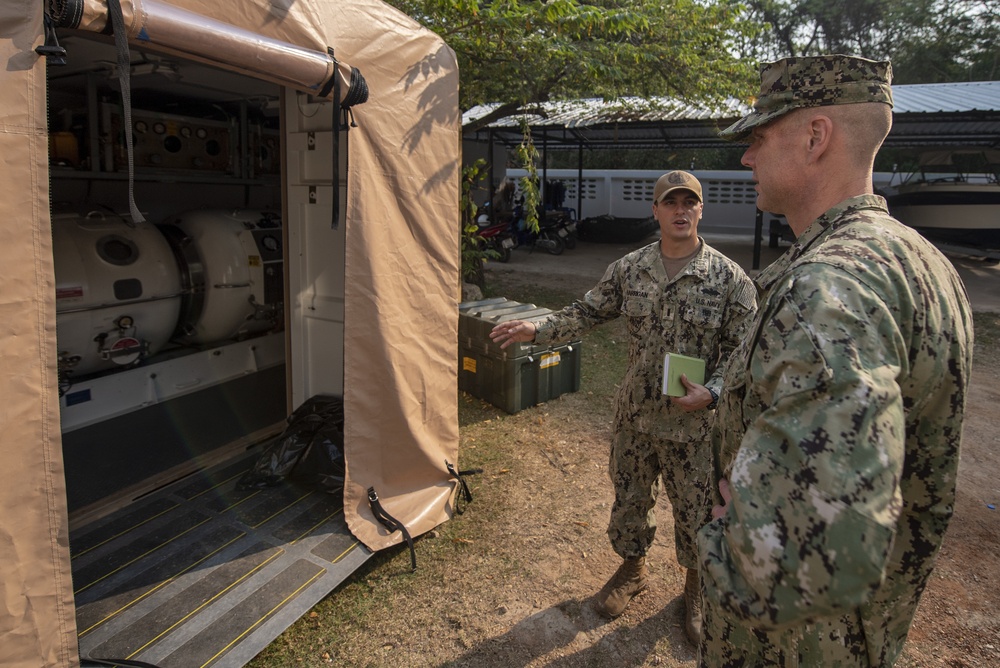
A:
x: 497, y: 237
x: 547, y: 238
x: 565, y: 224
x: 551, y: 236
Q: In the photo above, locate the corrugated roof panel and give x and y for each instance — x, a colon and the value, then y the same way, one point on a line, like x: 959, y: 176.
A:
x: 914, y: 98
x: 587, y: 112
x: 947, y: 97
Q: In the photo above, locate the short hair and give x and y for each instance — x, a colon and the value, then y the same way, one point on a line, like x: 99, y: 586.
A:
x: 866, y: 124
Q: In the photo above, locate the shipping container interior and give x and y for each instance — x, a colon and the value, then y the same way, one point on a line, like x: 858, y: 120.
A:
x: 171, y: 332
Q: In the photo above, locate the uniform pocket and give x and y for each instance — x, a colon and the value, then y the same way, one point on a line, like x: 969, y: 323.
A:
x: 703, y: 317
x: 637, y: 307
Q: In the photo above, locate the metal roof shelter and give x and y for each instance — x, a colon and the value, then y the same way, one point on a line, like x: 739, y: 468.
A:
x: 966, y: 113
x: 924, y: 115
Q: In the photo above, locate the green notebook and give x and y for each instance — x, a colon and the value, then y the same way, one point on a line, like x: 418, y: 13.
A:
x: 674, y: 365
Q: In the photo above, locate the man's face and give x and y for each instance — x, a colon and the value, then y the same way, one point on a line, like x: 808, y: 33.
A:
x: 773, y: 159
x: 678, y: 214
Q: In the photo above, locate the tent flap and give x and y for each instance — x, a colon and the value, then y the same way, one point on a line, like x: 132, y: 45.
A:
x: 36, y: 618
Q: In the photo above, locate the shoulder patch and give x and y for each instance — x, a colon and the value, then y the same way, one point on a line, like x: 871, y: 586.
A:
x: 745, y: 295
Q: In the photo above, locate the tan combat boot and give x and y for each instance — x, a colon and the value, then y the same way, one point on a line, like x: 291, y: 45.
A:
x: 692, y: 607
x: 628, y: 580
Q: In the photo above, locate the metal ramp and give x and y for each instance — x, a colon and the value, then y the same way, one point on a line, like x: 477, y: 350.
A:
x: 201, y: 574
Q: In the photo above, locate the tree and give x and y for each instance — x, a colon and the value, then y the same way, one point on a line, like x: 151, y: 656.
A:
x: 519, y: 53
x: 951, y: 41
x: 928, y: 41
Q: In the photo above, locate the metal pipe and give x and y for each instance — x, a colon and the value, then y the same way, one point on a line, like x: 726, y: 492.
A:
x: 158, y: 24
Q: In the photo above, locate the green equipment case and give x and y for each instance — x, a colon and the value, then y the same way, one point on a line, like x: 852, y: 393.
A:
x: 521, y: 375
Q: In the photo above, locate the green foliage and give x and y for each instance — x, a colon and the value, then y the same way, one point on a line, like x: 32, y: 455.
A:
x: 956, y: 40
x: 527, y: 156
x: 517, y: 53
x: 929, y: 41
x: 473, y: 252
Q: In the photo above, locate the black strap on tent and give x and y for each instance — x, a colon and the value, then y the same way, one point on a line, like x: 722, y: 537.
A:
x: 357, y: 93
x: 465, y: 493
x: 335, y: 83
x: 124, y: 72
x: 85, y: 662
x: 332, y: 81
x: 66, y: 13
x: 53, y: 52
x: 392, y: 524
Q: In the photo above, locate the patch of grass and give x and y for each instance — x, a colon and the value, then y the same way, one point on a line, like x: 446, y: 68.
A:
x: 539, y: 295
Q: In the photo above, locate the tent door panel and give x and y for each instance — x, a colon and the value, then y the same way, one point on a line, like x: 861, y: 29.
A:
x: 316, y: 247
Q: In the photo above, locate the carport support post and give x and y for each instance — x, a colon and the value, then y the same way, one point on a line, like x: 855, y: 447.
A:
x: 579, y: 180
x: 489, y: 167
x: 543, y: 190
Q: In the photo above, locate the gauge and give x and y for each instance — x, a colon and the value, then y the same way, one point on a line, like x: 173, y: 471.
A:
x: 185, y: 132
x: 159, y: 128
x: 269, y: 243
x: 140, y: 126
x: 201, y: 133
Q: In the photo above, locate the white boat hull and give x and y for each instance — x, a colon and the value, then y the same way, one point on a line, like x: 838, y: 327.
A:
x: 959, y: 212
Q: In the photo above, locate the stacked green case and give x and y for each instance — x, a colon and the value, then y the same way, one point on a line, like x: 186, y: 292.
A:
x: 523, y: 374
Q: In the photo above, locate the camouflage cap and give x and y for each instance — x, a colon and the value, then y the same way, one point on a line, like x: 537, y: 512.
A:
x: 676, y: 180
x: 814, y: 81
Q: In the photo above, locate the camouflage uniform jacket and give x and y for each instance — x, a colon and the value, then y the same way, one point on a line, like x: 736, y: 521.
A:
x: 703, y: 312
x: 839, y: 432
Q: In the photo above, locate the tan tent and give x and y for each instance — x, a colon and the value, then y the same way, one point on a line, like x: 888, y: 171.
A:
x: 368, y: 273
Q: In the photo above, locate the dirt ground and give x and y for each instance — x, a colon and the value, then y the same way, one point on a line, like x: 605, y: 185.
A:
x: 549, y: 621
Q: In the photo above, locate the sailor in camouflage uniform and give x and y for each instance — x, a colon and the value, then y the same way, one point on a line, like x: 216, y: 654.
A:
x: 838, y: 429
x: 678, y: 295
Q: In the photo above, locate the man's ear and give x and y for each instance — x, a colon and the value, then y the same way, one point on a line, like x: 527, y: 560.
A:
x: 820, y: 129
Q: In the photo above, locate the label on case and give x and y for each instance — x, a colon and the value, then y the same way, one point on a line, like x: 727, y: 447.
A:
x: 549, y: 359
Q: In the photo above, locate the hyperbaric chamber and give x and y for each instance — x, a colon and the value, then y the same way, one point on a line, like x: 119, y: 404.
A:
x: 124, y: 291
x: 118, y: 291
x: 232, y: 271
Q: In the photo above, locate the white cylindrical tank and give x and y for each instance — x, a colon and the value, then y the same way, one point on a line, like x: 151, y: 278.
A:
x: 118, y: 291
x: 227, y: 257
